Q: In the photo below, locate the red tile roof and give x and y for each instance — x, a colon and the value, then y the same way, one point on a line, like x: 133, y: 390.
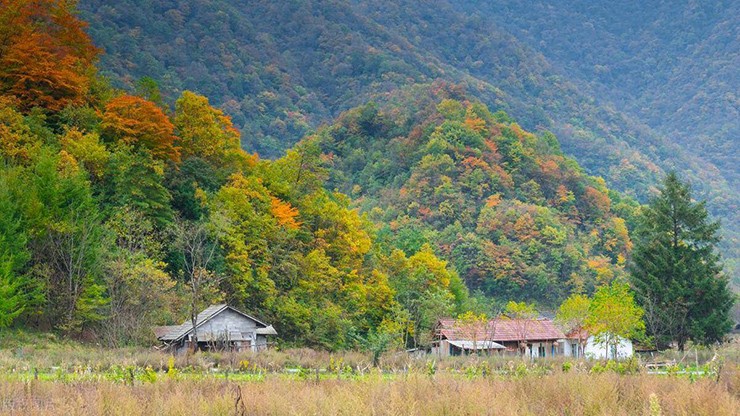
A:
x: 503, y: 329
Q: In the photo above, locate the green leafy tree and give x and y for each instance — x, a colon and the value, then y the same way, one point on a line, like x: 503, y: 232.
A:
x: 388, y: 336
x: 676, y: 271
x: 613, y: 315
x: 67, y: 242
x: 14, y: 254
x: 133, y: 267
x: 136, y: 181
x: 12, y: 302
x: 147, y: 88
x: 572, y: 316
x: 423, y: 285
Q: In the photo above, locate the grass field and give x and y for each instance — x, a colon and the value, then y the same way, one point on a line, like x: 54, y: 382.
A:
x: 40, y: 376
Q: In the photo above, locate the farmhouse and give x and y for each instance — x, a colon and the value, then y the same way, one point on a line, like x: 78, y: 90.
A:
x: 532, y: 337
x: 219, y: 327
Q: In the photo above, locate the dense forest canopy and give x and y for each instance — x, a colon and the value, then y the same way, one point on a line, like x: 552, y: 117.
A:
x: 668, y: 63
x: 421, y: 204
x: 280, y: 69
x: 515, y: 217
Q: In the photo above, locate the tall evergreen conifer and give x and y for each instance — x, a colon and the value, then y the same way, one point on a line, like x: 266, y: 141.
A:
x: 676, y: 272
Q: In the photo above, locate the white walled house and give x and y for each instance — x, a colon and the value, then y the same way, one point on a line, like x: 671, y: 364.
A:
x: 597, y: 350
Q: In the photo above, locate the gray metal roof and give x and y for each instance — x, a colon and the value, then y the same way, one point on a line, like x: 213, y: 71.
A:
x: 161, y: 331
x: 177, y: 332
x: 479, y: 345
x: 269, y: 330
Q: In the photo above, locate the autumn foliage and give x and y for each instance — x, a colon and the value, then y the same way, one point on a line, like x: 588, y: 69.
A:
x: 516, y: 217
x: 285, y: 214
x: 46, y: 58
x: 140, y: 123
x: 449, y: 197
x: 206, y: 132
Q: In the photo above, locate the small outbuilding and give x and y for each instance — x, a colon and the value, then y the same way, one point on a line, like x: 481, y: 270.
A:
x: 219, y: 327
x: 596, y: 349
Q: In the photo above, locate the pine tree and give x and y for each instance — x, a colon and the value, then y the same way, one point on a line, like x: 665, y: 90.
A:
x: 676, y: 272
x: 12, y: 302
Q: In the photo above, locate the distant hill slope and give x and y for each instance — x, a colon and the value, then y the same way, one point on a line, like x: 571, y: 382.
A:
x: 283, y: 68
x: 672, y: 64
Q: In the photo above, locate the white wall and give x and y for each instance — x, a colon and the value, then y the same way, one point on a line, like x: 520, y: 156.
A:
x: 568, y: 348
x: 599, y: 350
x: 533, y: 350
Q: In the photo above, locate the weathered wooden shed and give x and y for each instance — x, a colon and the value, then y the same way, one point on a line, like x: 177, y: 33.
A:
x: 219, y: 327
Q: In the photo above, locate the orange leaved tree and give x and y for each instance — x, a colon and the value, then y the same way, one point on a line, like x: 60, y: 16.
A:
x: 140, y: 123
x: 46, y: 58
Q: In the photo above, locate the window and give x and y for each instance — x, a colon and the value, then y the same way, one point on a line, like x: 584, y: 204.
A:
x: 574, y: 350
x: 454, y: 351
x: 541, y: 350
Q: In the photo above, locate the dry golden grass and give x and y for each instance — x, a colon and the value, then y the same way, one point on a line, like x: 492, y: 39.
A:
x: 76, y: 379
x: 375, y: 394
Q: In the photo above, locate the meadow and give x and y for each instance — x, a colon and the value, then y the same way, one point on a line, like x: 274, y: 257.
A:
x: 44, y: 376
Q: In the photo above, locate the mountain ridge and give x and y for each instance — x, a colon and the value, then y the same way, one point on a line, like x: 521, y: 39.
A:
x: 282, y: 70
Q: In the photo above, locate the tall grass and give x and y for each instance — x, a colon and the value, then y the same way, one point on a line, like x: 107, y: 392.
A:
x: 41, y: 375
x: 412, y: 394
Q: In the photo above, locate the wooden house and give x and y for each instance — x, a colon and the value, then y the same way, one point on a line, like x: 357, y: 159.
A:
x: 532, y: 337
x: 219, y: 327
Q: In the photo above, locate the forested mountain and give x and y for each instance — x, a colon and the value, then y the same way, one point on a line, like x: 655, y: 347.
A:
x: 419, y: 204
x: 281, y: 69
x: 117, y: 214
x: 105, y: 196
x: 515, y: 217
x: 671, y: 64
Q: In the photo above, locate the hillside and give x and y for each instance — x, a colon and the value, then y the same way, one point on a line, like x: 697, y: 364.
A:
x: 421, y: 204
x: 669, y: 63
x: 282, y: 69
x: 517, y: 218
x: 105, y: 195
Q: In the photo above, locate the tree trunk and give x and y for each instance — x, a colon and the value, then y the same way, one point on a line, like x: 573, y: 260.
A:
x: 194, y: 321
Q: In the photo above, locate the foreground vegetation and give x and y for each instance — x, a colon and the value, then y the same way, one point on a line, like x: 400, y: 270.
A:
x: 414, y: 394
x: 40, y: 375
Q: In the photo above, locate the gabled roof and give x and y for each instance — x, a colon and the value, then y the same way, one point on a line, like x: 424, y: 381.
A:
x: 503, y: 329
x: 177, y: 332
